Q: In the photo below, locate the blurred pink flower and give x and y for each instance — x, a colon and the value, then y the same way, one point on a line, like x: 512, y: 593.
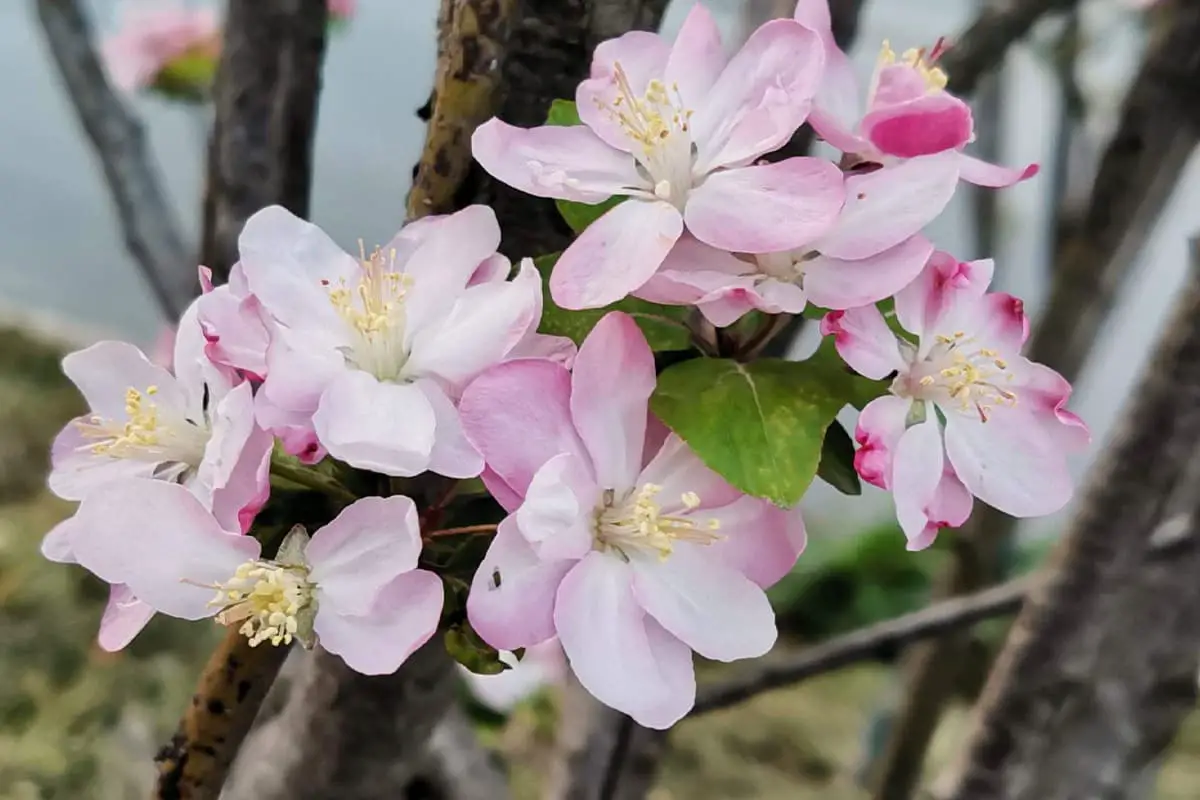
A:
x: 544, y: 664
x: 343, y: 9
x: 151, y: 35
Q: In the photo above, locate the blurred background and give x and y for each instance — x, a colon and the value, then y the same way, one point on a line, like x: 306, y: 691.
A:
x: 76, y: 722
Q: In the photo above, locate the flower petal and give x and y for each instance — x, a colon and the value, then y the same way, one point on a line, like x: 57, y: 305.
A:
x: 566, y: 162
x: 880, y: 426
x: 761, y: 97
x: 642, y: 57
x: 864, y: 341
x: 77, y: 471
x: 106, y: 370
x: 916, y: 473
x: 403, y: 618
x: 994, y: 176
x: 943, y: 284
x: 697, y: 57
x: 1008, y: 462
x: 766, y: 208
x: 453, y: 455
x: 236, y: 461
x: 384, y: 427
x: 930, y: 124
x: 124, y: 618
x: 364, y: 548
x: 610, y: 392
x: 557, y: 516
x: 1044, y: 393
x: 518, y: 414
x: 604, y: 633
x: 758, y: 539
x: 511, y: 603
x: 839, y: 284
x: 710, y: 607
x: 678, y: 470
x: 887, y: 206
x: 154, y: 536
x: 615, y: 254
x: 949, y: 508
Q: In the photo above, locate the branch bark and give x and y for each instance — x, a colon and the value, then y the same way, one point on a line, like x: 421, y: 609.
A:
x: 151, y: 232
x: 1158, y: 130
x: 265, y: 96
x: 981, y: 48
x: 1101, y: 666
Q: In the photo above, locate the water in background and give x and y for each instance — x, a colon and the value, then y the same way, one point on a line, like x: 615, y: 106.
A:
x: 61, y: 248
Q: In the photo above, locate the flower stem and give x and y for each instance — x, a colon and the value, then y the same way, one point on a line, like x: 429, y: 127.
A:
x: 473, y: 530
x: 291, y: 471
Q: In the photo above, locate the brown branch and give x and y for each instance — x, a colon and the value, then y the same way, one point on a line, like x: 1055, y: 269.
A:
x: 1101, y: 666
x: 231, y: 690
x: 265, y: 97
x: 981, y: 47
x: 151, y: 232
x: 1158, y: 129
x: 472, y: 41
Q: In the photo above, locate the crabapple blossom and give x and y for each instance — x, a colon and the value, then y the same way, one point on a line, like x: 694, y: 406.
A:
x: 354, y: 587
x: 908, y: 114
x: 151, y: 35
x: 370, y: 353
x: 619, y: 541
x: 676, y: 128
x: 966, y: 414
x: 235, y: 328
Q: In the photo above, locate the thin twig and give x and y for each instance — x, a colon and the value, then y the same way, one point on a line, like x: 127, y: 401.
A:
x: 151, y: 231
x: 472, y: 530
x: 983, y: 45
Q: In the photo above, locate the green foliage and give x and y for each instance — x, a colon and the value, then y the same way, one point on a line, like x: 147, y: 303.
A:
x: 760, y: 425
x: 465, y: 647
x: 577, y: 215
x: 663, y: 325
x: 837, y: 461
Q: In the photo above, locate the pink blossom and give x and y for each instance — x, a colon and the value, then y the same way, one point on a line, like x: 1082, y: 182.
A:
x: 343, y: 9
x: 966, y: 414
x: 677, y: 129
x: 235, y: 328
x: 908, y: 113
x: 542, y: 664
x: 152, y: 34
x: 619, y: 541
x: 162, y: 353
x: 354, y: 587
x: 370, y: 353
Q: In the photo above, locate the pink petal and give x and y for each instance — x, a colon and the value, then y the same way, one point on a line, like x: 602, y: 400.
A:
x: 558, y: 515
x: 106, y: 370
x: 403, y: 618
x: 124, y: 618
x: 293, y: 428
x: 364, y: 548
x: 838, y: 104
x: 766, y: 208
x: 558, y: 349
x: 610, y: 391
x: 916, y: 473
x: 1045, y: 393
x: 77, y: 471
x: 642, y: 56
x: 233, y: 330
x: 693, y: 270
x: 994, y: 176
x: 487, y: 321
x: 930, y: 124
x: 384, y: 427
x: 724, y: 308
x: 864, y: 341
x: 758, y: 539
x: 511, y: 603
x: 444, y: 255
x: 710, y: 607
x: 453, y: 455
x: 949, y: 508
x: 897, y: 84
x: 236, y: 461
x: 154, y: 536
x: 887, y: 206
x: 615, y: 254
x: 880, y: 426
x: 566, y: 162
x: 493, y: 268
x: 1008, y: 462
x: 501, y: 492
x: 697, y: 57
x: 942, y: 285
x: 518, y: 415
x: 995, y: 320
x: 612, y: 649
x: 285, y: 259
x: 761, y: 97
x: 840, y: 284
x: 677, y: 470
x: 56, y: 545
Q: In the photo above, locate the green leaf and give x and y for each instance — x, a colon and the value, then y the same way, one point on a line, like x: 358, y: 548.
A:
x: 465, y: 647
x: 854, y: 388
x: 837, y: 461
x: 563, y: 112
x: 663, y: 325
x: 759, y: 425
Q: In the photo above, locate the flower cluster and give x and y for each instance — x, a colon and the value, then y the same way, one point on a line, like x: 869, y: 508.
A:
x: 383, y: 380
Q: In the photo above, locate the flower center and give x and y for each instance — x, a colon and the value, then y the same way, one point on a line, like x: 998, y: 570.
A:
x: 267, y: 598
x: 918, y: 59
x: 145, y: 435
x: 788, y: 266
x: 660, y: 125
x: 373, y: 309
x: 637, y: 522
x: 957, y: 373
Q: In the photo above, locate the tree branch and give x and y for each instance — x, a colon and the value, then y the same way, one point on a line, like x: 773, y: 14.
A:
x: 1101, y: 666
x: 981, y: 48
x: 265, y: 96
x: 151, y: 232
x: 1158, y: 129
